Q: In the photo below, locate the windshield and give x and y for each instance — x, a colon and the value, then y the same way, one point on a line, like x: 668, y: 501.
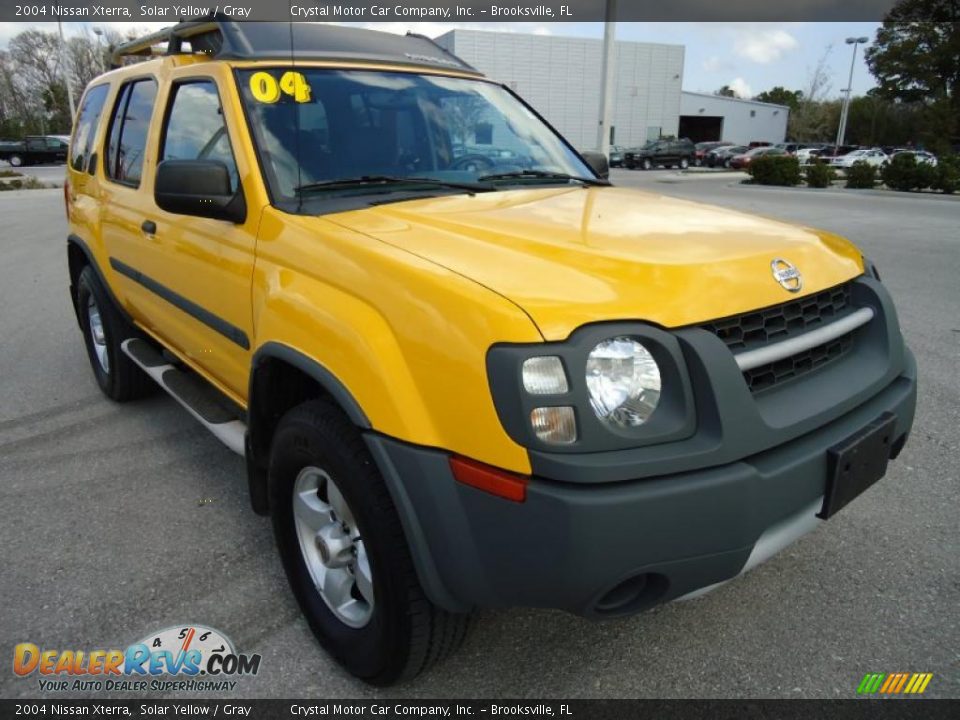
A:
x: 317, y: 125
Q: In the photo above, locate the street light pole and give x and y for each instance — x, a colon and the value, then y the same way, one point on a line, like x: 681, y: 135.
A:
x: 842, y: 130
x: 609, y: 67
x: 66, y: 72
x: 99, y: 33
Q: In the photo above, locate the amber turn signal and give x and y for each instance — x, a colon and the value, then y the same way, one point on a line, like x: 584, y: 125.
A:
x: 495, y: 481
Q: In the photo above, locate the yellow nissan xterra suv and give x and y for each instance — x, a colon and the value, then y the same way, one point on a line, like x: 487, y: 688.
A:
x: 462, y: 378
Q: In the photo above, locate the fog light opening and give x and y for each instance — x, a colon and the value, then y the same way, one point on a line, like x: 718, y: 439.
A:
x: 632, y: 595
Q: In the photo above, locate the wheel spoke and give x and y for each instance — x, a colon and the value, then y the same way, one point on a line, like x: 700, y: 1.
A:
x: 310, y: 510
x: 336, y: 587
x: 361, y: 572
x: 339, y: 505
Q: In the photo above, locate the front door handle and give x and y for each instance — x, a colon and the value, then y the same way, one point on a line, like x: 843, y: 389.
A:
x: 149, y: 227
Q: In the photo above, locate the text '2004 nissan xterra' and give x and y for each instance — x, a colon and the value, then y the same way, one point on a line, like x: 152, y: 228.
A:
x: 463, y: 379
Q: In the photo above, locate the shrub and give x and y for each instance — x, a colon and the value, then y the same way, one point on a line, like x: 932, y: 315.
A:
x: 820, y: 175
x: 775, y: 170
x: 26, y: 183
x: 901, y: 173
x: 948, y: 174
x: 861, y: 175
x: 925, y: 176
x: 9, y: 173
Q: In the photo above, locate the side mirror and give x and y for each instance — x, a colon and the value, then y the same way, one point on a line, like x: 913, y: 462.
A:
x: 599, y: 163
x: 200, y: 188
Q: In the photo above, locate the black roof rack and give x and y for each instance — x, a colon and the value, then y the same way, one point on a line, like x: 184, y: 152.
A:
x: 226, y: 39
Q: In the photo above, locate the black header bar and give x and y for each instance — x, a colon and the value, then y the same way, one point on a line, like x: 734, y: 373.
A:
x: 460, y: 11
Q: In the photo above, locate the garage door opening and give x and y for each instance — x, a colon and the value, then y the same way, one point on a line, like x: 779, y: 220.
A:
x: 701, y: 128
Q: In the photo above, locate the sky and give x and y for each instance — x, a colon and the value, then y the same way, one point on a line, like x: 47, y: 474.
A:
x: 749, y: 57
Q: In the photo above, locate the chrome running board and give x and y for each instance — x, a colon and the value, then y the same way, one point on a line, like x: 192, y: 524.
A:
x: 201, y: 400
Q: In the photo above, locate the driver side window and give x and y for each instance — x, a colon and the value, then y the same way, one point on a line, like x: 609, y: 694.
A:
x: 195, y: 127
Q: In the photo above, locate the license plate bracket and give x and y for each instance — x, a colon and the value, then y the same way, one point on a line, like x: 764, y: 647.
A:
x: 857, y: 463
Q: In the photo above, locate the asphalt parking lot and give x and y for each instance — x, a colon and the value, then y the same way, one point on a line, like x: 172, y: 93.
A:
x: 118, y: 521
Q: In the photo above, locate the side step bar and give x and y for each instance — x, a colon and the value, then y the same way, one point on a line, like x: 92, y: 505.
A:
x: 201, y: 400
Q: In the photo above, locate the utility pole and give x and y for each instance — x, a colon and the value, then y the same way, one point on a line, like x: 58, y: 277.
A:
x: 609, y: 72
x: 66, y: 72
x: 842, y: 130
x: 98, y: 31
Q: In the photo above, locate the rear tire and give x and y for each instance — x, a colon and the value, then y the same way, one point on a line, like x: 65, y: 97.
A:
x: 684, y: 163
x: 646, y: 164
x: 104, y: 330
x: 319, y: 463
x: 16, y: 160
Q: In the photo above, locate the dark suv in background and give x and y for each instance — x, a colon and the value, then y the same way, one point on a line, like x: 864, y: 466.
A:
x: 669, y: 153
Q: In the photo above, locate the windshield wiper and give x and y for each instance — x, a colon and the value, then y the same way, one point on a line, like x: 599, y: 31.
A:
x: 544, y: 174
x: 389, y: 180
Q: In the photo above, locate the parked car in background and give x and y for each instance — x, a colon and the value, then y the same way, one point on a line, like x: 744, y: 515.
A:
x: 488, y: 157
x: 758, y: 143
x: 807, y: 155
x: 790, y: 148
x: 721, y: 156
x: 702, y: 148
x: 35, y: 150
x: 922, y: 156
x: 742, y: 162
x: 616, y: 155
x: 875, y: 157
x: 829, y: 152
x: 669, y: 153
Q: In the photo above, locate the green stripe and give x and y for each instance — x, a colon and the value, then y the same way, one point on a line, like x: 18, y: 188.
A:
x: 862, y: 688
x: 879, y: 681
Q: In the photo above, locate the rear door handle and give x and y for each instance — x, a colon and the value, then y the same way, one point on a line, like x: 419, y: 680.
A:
x: 149, y: 227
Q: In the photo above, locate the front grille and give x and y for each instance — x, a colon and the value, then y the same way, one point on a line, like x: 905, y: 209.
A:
x: 766, y: 376
x: 781, y: 322
x: 772, y: 324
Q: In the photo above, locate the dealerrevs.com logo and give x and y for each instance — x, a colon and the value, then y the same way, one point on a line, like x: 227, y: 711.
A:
x: 197, y: 658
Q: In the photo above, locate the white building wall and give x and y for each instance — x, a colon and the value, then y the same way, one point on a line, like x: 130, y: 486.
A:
x: 743, y: 120
x: 561, y: 77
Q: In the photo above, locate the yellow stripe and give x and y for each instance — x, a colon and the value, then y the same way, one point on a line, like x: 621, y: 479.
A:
x: 912, y: 683
x: 903, y: 679
x: 888, y: 682
x: 926, y: 681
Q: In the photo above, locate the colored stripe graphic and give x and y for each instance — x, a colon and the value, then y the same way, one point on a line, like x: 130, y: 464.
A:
x: 918, y: 683
x: 894, y: 683
x: 870, y: 683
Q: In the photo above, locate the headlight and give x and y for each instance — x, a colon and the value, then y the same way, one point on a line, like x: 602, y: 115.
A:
x: 624, y: 382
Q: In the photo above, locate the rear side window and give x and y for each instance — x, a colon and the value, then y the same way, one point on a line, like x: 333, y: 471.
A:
x: 87, y: 122
x: 195, y: 127
x: 128, y: 131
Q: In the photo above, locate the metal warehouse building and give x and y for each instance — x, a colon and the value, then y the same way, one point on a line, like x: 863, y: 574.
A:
x: 561, y: 78
x: 713, y: 117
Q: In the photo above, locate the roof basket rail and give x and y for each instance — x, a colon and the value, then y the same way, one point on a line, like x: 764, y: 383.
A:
x: 217, y: 35
x: 204, y: 35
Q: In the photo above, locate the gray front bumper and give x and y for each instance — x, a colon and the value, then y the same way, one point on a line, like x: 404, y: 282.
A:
x: 571, y: 543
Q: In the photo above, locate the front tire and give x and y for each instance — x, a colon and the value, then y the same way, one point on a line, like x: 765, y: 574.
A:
x: 646, y: 164
x: 684, y: 163
x: 16, y: 160
x: 345, y: 553
x: 104, y: 330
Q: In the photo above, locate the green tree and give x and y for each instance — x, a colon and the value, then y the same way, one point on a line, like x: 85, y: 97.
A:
x: 781, y: 96
x: 916, y: 59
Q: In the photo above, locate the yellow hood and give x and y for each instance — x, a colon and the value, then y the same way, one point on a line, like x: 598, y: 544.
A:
x: 570, y: 256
